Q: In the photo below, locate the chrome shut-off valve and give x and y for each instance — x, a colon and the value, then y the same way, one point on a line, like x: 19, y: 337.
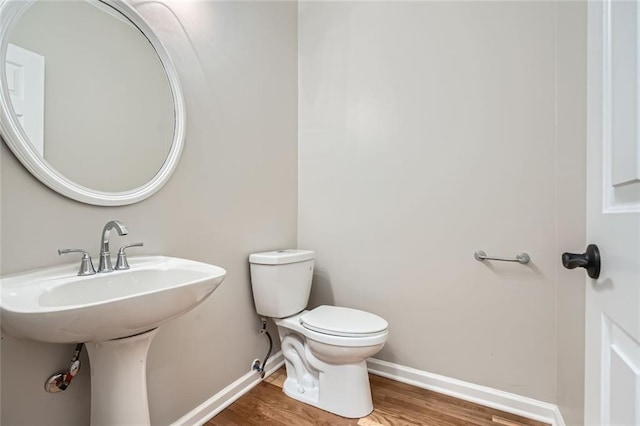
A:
x: 61, y: 381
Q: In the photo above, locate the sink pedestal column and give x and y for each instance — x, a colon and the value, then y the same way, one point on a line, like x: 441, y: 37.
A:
x: 119, y: 380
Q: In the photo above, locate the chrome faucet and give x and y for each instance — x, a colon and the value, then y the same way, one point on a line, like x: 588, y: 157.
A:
x: 105, y: 256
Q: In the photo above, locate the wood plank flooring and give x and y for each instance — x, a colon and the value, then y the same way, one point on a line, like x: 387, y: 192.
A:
x: 395, y: 404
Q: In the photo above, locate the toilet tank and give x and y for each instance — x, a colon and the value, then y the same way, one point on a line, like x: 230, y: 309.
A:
x: 281, y: 281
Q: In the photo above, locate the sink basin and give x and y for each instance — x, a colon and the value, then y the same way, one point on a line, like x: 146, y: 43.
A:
x: 115, y: 314
x: 55, y: 305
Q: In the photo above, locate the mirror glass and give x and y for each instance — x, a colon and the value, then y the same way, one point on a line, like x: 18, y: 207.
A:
x: 90, y: 93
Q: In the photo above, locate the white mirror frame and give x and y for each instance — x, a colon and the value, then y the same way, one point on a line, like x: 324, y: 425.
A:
x: 17, y: 140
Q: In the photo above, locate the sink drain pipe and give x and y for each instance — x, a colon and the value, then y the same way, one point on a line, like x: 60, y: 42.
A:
x: 257, y: 366
x: 61, y: 381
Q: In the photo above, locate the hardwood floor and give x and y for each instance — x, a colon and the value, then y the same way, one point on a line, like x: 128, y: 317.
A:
x: 395, y: 404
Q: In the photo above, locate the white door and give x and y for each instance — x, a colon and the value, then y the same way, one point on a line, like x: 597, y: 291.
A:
x: 612, y: 357
x: 25, y: 80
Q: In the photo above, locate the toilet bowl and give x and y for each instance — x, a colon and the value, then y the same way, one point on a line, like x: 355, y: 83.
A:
x: 325, y: 349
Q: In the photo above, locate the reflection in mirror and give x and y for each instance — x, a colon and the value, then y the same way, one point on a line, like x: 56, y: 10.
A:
x: 90, y: 93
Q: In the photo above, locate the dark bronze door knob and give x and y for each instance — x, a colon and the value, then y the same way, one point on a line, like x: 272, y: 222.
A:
x: 589, y: 260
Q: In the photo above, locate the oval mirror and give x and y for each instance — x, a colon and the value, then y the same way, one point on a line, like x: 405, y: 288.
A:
x: 90, y: 102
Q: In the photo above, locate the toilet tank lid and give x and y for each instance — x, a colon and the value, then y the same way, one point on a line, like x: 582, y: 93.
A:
x: 282, y: 257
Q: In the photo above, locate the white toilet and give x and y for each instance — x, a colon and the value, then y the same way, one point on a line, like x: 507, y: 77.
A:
x: 325, y: 349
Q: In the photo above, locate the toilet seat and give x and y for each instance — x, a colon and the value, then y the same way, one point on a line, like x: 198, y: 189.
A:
x: 294, y: 323
x: 343, y: 322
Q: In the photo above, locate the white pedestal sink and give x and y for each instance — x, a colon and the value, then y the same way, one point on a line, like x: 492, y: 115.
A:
x: 115, y: 314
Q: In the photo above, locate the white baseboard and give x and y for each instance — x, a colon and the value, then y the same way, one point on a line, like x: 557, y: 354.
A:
x: 489, y: 397
x: 483, y: 395
x: 218, y: 402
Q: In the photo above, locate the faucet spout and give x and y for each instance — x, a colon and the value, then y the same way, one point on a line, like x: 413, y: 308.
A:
x: 105, y: 255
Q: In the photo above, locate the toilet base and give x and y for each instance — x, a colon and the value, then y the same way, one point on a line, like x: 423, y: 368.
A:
x: 342, y: 389
x: 328, y: 371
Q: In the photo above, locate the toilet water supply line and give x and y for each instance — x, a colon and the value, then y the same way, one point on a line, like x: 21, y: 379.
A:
x: 257, y: 366
x: 61, y: 381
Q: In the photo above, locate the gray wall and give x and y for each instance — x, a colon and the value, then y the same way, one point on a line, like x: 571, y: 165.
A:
x: 234, y: 193
x: 571, y: 176
x: 429, y: 130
